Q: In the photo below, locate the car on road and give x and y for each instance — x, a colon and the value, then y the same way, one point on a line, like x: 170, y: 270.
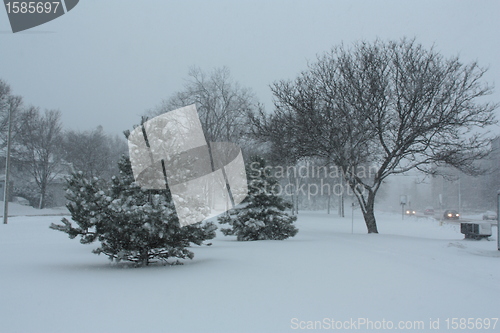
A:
x: 489, y: 215
x: 410, y: 212
x: 429, y: 211
x: 451, y: 214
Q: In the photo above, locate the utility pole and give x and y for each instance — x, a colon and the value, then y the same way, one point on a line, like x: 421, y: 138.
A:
x: 7, y: 169
x: 459, y: 195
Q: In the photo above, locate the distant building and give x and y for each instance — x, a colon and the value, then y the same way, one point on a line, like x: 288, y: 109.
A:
x: 2, y: 188
x: 23, y: 185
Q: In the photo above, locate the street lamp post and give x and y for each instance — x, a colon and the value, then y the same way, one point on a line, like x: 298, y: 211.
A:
x: 402, y: 200
x: 7, y: 170
x: 459, y: 195
x: 498, y: 221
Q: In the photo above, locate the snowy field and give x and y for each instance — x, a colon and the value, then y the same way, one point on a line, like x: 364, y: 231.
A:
x: 414, y: 273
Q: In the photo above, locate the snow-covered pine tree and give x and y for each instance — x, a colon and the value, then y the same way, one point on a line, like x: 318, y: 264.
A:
x: 131, y: 223
x: 262, y: 214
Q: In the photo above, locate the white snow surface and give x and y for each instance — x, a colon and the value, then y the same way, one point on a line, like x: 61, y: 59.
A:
x: 20, y: 210
x: 414, y: 270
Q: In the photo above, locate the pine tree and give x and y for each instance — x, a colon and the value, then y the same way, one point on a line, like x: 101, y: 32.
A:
x: 262, y: 215
x: 130, y: 223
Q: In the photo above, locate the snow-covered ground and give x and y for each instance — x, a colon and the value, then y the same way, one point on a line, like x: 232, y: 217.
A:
x: 414, y: 272
x: 20, y: 210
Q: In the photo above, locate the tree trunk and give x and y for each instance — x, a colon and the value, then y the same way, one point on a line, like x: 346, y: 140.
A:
x: 297, y: 204
x: 341, y: 198
x: 43, y: 194
x: 144, y: 257
x: 341, y: 205
x: 328, y: 205
x: 369, y: 214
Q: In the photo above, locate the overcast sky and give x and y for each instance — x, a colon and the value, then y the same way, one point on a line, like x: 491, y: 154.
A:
x: 107, y: 62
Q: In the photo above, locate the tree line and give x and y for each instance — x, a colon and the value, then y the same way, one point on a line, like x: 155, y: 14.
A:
x: 387, y: 106
x: 42, y: 150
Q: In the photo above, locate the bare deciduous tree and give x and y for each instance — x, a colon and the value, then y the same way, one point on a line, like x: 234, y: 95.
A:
x: 39, y: 137
x: 394, y: 106
x: 8, y: 102
x: 222, y: 104
x: 94, y: 153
